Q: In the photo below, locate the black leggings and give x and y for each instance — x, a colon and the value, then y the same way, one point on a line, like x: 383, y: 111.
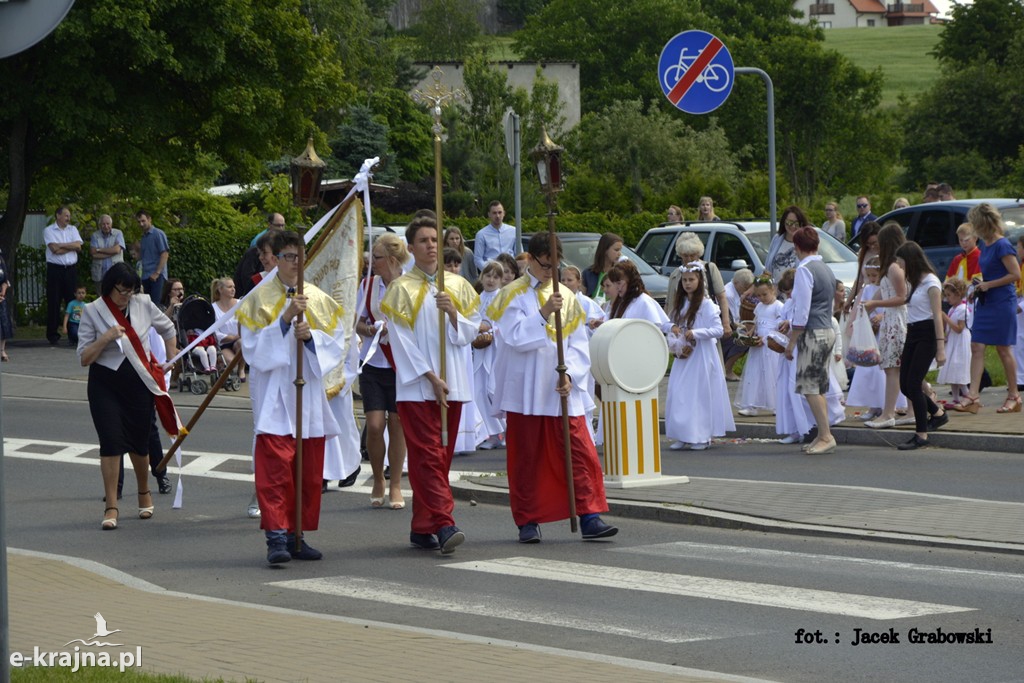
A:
x: 918, y: 354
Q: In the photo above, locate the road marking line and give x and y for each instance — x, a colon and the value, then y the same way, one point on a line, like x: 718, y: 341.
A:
x: 490, y: 606
x: 788, y: 559
x: 767, y: 595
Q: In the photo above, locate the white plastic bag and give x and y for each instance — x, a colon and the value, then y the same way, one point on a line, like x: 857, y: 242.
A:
x: 862, y: 350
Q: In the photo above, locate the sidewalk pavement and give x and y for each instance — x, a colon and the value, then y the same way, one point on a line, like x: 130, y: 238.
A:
x: 200, y: 636
x: 53, y: 600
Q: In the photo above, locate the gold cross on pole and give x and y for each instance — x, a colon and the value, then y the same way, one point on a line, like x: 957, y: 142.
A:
x: 436, y: 95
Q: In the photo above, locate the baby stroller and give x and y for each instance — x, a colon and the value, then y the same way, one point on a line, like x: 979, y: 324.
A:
x: 196, y: 313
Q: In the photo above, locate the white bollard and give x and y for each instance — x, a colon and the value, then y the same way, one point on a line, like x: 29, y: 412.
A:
x: 628, y: 359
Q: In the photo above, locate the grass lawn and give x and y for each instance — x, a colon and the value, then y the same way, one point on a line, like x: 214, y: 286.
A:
x: 97, y: 675
x: 901, y: 51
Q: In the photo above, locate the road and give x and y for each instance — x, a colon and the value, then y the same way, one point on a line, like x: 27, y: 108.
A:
x: 728, y: 601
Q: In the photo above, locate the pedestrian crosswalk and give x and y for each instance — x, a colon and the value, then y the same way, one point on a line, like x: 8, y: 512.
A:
x: 507, y: 599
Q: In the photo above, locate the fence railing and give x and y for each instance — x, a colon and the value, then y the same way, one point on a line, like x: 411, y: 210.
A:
x: 820, y: 8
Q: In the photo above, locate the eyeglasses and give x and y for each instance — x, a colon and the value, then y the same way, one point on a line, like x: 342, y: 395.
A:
x: 545, y: 266
x: 278, y: 225
x: 828, y: 208
x: 862, y: 206
x: 124, y: 291
x: 791, y: 223
x: 290, y: 257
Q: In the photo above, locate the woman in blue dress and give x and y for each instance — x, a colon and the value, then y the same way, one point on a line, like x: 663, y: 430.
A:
x: 995, y: 306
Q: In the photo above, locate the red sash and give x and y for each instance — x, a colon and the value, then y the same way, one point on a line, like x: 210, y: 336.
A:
x: 150, y: 372
x: 384, y: 345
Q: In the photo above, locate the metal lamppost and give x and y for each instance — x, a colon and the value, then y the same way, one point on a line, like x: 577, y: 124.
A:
x: 306, y: 170
x: 547, y: 157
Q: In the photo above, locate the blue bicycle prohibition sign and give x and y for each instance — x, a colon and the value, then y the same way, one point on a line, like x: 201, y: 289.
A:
x: 696, y: 72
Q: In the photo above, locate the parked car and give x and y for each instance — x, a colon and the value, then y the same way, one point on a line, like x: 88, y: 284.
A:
x: 934, y: 225
x: 578, y: 249
x: 734, y: 245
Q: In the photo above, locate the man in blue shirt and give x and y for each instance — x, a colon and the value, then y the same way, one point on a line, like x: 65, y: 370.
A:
x: 494, y: 238
x: 155, y: 251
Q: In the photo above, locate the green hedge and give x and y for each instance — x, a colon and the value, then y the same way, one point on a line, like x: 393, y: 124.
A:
x: 631, y: 228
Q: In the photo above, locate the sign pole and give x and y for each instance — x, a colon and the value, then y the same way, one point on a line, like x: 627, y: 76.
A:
x: 770, y: 94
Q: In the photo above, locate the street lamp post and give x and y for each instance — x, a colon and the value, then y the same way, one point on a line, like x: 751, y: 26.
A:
x: 547, y: 157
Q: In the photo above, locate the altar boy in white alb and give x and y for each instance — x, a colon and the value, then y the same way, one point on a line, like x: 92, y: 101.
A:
x: 270, y: 343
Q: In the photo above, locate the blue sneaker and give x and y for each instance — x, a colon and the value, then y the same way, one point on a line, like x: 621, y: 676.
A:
x: 449, y: 537
x: 277, y: 547
x: 529, y: 533
x: 595, y: 527
x: 423, y: 541
x: 308, y: 552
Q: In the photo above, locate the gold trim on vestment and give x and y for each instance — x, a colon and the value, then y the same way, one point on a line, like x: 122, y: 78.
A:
x: 572, y: 313
x: 263, y: 306
x: 404, y: 296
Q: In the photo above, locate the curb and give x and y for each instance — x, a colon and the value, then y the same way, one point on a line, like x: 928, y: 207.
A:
x: 697, y: 516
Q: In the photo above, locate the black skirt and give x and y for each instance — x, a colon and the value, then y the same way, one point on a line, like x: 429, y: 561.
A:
x: 122, y: 409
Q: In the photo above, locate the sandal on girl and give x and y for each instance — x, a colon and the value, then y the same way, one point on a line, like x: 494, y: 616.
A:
x: 1010, y: 405
x: 968, y: 404
x: 109, y: 523
x: 145, y: 512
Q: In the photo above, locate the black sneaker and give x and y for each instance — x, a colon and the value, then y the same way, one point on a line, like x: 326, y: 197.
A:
x: 914, y: 443
x: 164, y: 482
x: 307, y: 552
x: 595, y: 527
x: 936, y: 421
x: 423, y: 541
x: 529, y: 533
x: 277, y: 551
x: 449, y: 537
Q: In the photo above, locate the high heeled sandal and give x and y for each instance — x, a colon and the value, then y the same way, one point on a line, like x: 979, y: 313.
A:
x: 146, y: 512
x: 968, y: 404
x: 109, y: 523
x: 1010, y: 405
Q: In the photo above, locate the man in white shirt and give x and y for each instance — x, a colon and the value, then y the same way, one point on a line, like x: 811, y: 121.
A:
x: 106, y: 247
x: 413, y: 304
x: 494, y: 238
x: 63, y: 244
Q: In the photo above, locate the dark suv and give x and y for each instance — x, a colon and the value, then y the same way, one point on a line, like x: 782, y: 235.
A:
x: 934, y: 225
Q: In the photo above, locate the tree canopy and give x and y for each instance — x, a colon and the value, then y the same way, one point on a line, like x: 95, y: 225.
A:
x: 126, y: 96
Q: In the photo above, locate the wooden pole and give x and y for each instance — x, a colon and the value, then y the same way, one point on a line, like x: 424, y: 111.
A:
x: 441, y: 316
x: 299, y: 384
x: 199, y: 411
x: 561, y: 368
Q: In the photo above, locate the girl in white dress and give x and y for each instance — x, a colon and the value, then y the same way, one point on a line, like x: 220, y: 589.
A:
x: 697, y: 405
x: 483, y: 360
x: 631, y: 300
x: 760, y: 374
x: 792, y: 416
x: 471, y: 423
x: 957, y: 370
x: 572, y: 277
x: 867, y: 389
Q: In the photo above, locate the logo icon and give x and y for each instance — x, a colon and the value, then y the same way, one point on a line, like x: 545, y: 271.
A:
x: 101, y: 632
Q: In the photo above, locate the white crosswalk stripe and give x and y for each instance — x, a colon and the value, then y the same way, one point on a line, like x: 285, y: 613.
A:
x: 493, y: 606
x: 766, y: 595
x: 866, y: 567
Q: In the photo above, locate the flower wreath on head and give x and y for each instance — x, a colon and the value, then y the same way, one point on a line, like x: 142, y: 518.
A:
x: 692, y: 267
x: 764, y: 279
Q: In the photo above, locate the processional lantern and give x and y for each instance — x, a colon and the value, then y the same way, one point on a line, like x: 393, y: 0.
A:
x: 547, y: 157
x: 307, y: 171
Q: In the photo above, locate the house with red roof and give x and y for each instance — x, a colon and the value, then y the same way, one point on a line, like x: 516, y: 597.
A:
x: 866, y: 13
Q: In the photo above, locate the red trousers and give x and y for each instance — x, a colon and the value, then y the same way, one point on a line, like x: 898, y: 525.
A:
x: 536, y: 469
x: 429, y: 462
x: 275, y: 481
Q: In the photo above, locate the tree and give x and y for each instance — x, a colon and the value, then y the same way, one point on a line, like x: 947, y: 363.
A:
x: 645, y: 154
x: 835, y: 144
x: 615, y: 43
x: 985, y: 30
x: 127, y: 96
x: 447, y: 30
